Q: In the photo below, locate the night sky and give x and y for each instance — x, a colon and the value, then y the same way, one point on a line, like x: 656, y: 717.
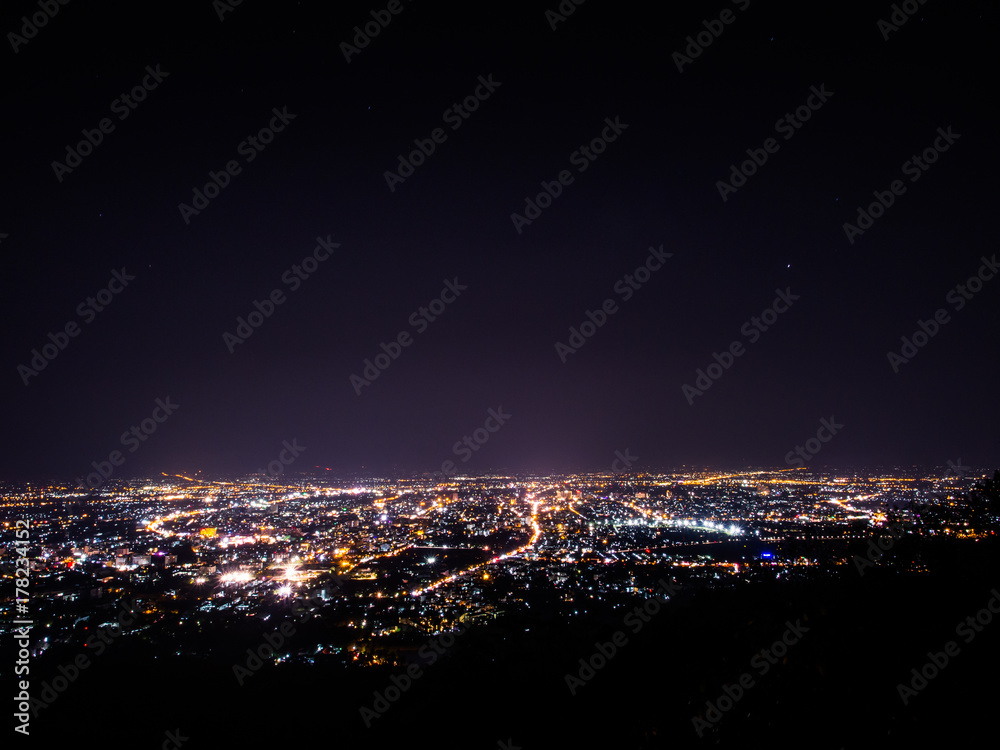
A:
x: 211, y: 84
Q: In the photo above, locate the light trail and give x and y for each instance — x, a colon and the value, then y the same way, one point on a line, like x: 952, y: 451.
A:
x: 520, y: 550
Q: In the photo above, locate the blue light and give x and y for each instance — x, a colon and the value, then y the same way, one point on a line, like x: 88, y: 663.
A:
x: 766, y: 554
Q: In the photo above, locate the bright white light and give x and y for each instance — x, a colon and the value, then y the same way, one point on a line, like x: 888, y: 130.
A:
x: 285, y: 591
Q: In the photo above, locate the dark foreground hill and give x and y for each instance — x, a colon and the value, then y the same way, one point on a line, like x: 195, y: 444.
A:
x: 835, y: 686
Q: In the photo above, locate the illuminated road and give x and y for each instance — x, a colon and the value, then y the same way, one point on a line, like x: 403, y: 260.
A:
x: 153, y: 526
x: 202, y: 481
x: 519, y: 551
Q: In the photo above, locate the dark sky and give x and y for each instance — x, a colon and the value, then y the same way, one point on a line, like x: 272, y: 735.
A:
x: 323, y: 176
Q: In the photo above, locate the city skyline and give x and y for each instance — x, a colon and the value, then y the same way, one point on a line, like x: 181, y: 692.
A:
x: 558, y: 374
x: 376, y: 589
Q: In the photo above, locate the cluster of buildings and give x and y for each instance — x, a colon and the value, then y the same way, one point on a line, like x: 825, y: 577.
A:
x: 384, y: 560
